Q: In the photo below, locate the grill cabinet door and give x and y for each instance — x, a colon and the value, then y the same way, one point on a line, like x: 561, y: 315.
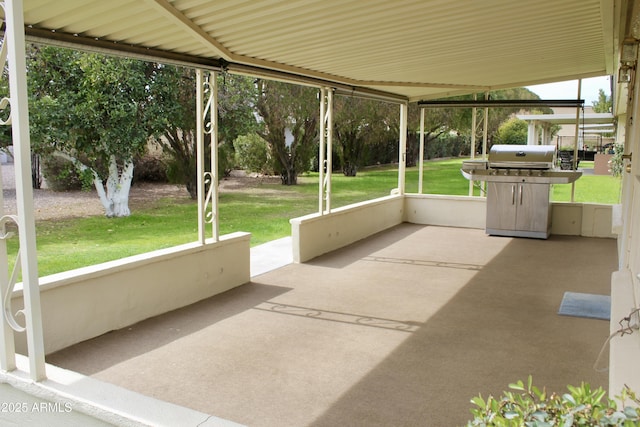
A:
x: 501, y: 205
x: 518, y: 209
x: 532, y: 207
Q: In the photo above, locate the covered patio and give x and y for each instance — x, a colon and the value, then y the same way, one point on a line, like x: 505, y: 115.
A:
x: 402, y: 328
x: 395, y: 311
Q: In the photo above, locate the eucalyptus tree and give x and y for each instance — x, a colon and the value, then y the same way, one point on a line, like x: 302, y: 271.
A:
x: 290, y: 126
x: 92, y: 110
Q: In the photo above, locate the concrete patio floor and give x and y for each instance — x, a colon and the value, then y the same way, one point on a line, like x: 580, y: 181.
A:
x: 400, y: 329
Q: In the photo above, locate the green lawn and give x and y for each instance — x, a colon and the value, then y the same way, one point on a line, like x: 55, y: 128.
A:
x: 265, y: 212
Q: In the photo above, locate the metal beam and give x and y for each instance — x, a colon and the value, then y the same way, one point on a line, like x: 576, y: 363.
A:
x: 501, y: 103
x: 90, y: 44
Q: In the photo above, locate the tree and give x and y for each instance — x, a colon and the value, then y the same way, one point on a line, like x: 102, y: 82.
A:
x: 358, y: 123
x: 290, y: 118
x: 513, y: 131
x: 174, y: 110
x: 91, y: 110
x: 603, y: 104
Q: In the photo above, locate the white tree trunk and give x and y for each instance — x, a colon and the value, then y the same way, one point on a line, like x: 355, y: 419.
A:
x: 118, y: 186
x: 115, y: 198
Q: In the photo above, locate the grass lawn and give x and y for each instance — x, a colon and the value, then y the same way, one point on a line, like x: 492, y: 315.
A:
x: 264, y: 211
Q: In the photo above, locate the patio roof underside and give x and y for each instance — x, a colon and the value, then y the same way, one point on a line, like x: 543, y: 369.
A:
x: 412, y: 49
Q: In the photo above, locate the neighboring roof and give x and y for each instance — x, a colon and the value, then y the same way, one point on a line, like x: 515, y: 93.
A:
x: 414, y: 49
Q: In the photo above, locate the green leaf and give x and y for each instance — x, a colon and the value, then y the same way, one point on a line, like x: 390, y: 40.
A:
x: 517, y: 386
x: 631, y: 412
x: 569, y: 398
x: 479, y: 401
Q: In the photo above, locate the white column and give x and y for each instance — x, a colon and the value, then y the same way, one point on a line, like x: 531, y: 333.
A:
x: 485, y: 140
x: 200, y: 154
x: 24, y: 191
x: 321, y: 154
x: 402, y: 155
x: 421, y: 155
x: 532, y: 135
x: 213, y: 131
x: 474, y: 125
x: 574, y: 166
x: 329, y: 153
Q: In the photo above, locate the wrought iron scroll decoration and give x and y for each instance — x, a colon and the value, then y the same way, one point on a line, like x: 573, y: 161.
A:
x: 5, y: 101
x: 208, y: 129
x: 9, y: 315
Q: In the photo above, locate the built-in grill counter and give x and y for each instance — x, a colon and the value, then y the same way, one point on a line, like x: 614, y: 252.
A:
x: 519, y: 179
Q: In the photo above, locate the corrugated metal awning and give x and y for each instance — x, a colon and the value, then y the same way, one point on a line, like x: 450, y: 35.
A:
x: 414, y: 49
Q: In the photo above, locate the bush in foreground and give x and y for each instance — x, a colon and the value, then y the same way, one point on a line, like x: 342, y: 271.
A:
x: 531, y: 407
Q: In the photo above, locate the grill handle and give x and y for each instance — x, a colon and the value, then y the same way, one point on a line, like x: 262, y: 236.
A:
x: 520, y: 193
x: 513, y: 194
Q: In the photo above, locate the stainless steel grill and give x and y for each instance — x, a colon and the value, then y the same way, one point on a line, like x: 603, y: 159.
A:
x: 519, y: 179
x: 519, y: 163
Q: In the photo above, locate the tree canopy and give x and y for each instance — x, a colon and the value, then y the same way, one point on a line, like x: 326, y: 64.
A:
x: 92, y: 110
x: 513, y: 131
x: 290, y: 125
x: 603, y: 104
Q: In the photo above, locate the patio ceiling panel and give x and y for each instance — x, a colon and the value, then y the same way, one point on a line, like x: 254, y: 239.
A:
x: 418, y: 49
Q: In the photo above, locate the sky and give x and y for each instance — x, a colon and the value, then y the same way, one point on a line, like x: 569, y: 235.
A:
x: 569, y: 89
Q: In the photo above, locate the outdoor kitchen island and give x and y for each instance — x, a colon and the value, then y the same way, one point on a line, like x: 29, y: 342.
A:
x: 519, y: 179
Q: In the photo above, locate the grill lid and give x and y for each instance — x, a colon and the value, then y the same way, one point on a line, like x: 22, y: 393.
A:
x: 522, y: 156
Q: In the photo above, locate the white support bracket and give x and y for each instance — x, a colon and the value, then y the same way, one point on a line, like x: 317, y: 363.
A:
x: 207, y: 124
x: 325, y: 157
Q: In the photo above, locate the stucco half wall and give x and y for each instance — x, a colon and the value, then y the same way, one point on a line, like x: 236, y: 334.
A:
x: 81, y: 304
x: 315, y: 234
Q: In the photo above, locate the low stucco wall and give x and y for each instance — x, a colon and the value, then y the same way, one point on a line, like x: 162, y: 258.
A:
x: 574, y: 219
x: 315, y: 234
x: 449, y: 211
x: 87, y: 302
x: 582, y: 219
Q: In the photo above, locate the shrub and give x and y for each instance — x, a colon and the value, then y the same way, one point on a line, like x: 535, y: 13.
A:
x: 60, y: 174
x: 252, y: 154
x: 150, y: 168
x: 531, y: 407
x: 513, y: 131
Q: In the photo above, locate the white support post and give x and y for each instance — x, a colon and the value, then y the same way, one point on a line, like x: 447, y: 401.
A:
x: 207, y: 123
x: 574, y: 164
x: 472, y: 149
x: 485, y: 139
x: 321, y: 154
x: 14, y: 37
x: 213, y: 131
x: 402, y: 155
x: 421, y: 155
x: 326, y: 141
x: 532, y: 134
x: 200, y: 154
